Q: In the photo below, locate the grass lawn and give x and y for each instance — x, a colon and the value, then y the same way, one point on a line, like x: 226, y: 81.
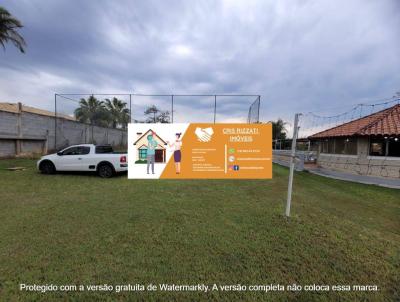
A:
x: 81, y: 229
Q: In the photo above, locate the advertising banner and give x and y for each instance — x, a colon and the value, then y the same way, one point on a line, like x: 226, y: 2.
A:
x: 198, y: 150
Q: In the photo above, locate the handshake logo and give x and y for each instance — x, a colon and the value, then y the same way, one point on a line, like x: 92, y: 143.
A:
x: 204, y: 135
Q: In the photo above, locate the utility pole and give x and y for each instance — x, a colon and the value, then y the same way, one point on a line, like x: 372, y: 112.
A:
x: 292, y: 158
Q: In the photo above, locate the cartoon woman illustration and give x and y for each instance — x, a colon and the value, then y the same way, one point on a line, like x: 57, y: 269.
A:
x: 177, y: 144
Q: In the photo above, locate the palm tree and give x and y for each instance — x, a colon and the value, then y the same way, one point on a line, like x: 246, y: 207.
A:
x: 92, y: 111
x: 118, y: 112
x: 8, y: 30
x: 279, y: 129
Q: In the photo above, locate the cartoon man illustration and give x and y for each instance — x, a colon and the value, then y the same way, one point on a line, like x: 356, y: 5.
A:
x: 151, y: 151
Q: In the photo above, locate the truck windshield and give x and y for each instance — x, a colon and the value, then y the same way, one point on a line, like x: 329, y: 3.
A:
x: 104, y: 149
x: 79, y: 150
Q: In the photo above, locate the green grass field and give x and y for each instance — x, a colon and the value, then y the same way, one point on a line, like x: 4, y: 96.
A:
x: 81, y: 229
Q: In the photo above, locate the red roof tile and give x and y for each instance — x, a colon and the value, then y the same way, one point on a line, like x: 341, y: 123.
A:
x: 385, y: 122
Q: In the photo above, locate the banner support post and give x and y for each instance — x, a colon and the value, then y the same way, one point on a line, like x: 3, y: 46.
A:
x: 291, y: 167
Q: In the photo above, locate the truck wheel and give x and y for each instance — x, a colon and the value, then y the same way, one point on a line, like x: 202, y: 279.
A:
x: 105, y: 171
x: 47, y: 167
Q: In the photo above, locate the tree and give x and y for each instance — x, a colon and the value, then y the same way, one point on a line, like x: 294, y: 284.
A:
x: 163, y: 117
x: 151, y: 110
x: 118, y: 112
x: 279, y: 129
x: 8, y: 30
x: 156, y: 115
x: 92, y: 111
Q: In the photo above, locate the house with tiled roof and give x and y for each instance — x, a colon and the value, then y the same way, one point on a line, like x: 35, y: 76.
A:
x: 369, y: 145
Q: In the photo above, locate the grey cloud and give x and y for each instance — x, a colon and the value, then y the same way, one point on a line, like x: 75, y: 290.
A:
x: 299, y: 55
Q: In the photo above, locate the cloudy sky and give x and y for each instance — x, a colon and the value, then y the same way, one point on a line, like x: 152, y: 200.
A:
x: 300, y: 56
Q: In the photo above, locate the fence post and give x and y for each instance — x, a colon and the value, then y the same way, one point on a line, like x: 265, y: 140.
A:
x: 172, y: 109
x: 130, y: 108
x: 55, y: 122
x: 292, y: 158
x: 215, y: 108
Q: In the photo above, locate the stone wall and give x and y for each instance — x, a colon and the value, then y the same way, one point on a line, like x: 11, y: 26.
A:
x: 362, y: 163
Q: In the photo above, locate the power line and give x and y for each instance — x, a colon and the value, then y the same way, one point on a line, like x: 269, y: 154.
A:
x: 358, y: 106
x: 386, y: 101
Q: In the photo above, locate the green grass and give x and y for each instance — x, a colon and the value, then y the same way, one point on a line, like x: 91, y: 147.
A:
x: 81, y: 229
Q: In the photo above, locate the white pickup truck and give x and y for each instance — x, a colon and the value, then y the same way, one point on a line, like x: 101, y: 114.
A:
x: 99, y: 158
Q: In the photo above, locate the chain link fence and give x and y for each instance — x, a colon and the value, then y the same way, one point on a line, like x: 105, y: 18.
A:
x: 103, y: 118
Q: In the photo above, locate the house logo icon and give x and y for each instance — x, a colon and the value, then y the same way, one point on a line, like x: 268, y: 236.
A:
x: 141, y: 147
x: 204, y: 135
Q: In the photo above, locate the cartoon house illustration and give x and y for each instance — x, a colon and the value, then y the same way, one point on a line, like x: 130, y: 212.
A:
x: 141, y: 147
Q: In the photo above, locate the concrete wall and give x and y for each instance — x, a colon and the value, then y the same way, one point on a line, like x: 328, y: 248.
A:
x: 361, y: 163
x: 8, y: 123
x: 26, y: 133
x: 71, y: 133
x: 7, y: 148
